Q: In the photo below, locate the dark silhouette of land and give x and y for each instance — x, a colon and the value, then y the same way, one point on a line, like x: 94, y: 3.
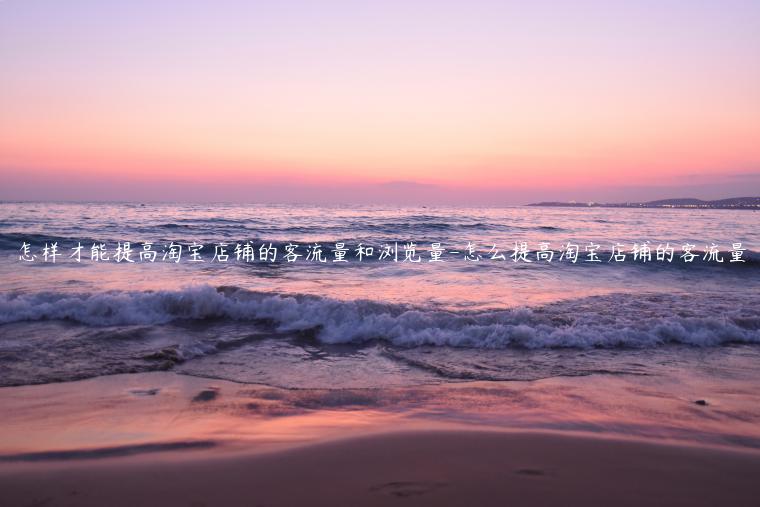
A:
x: 751, y: 203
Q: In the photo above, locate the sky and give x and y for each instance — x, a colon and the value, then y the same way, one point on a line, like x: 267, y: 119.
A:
x: 478, y: 102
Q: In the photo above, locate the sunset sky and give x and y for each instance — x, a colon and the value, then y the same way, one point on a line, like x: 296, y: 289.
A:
x: 469, y: 101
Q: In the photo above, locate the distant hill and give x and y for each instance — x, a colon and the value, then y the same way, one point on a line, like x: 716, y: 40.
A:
x: 689, y: 202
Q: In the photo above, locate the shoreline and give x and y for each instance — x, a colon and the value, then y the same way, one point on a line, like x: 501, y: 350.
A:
x: 164, y: 438
x: 100, y: 414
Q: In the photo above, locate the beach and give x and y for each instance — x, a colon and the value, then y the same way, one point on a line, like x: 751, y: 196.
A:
x: 426, y: 468
x: 166, y: 439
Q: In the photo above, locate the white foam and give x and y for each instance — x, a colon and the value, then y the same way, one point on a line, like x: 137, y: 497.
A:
x: 567, y: 325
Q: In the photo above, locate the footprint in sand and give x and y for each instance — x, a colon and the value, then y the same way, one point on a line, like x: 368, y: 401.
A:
x: 404, y: 489
x: 531, y: 472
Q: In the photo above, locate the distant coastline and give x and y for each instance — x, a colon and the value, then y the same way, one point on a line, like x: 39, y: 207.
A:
x: 750, y: 203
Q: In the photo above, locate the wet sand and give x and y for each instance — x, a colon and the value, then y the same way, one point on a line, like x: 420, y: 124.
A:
x: 164, y: 439
x: 409, y: 468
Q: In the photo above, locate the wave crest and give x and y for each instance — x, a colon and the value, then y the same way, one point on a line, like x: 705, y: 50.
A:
x: 618, y: 320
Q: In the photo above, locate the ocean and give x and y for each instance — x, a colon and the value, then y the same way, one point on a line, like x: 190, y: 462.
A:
x: 374, y: 322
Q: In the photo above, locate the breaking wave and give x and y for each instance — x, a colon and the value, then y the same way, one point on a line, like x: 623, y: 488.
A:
x: 618, y: 320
